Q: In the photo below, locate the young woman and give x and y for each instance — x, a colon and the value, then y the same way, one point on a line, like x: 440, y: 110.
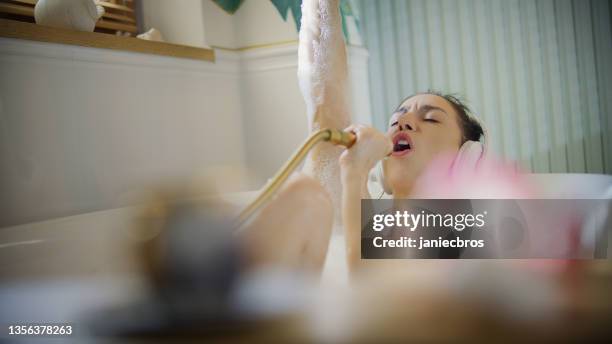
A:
x: 424, y: 127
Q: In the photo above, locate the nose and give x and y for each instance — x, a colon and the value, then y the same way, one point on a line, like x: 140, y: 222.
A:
x: 405, y: 122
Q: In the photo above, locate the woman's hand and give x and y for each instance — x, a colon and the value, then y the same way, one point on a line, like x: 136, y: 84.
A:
x: 370, y: 146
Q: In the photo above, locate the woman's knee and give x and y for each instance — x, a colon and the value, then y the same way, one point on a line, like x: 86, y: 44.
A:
x: 308, y: 192
x: 312, y: 220
x: 294, y: 227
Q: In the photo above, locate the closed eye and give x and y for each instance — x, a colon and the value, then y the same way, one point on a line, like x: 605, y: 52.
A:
x: 430, y: 120
x: 394, y: 124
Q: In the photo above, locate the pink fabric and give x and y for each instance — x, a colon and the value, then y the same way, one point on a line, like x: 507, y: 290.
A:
x: 463, y: 176
x: 449, y: 177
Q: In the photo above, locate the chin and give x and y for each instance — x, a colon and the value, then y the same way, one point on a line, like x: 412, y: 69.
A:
x: 403, y: 169
x: 401, y: 182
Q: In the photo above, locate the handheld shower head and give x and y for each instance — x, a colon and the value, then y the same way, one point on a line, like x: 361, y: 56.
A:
x: 340, y: 137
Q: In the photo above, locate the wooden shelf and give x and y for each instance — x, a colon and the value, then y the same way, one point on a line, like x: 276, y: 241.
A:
x: 117, y: 17
x: 33, y: 32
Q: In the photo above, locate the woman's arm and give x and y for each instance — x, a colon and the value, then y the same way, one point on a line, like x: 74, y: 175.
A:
x: 356, y: 162
x: 322, y: 65
x: 354, y: 189
x: 322, y: 75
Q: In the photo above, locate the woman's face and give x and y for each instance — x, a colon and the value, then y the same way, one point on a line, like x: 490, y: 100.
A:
x: 422, y: 128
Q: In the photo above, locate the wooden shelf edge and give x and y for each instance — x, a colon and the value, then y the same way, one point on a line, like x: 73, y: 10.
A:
x: 34, y: 32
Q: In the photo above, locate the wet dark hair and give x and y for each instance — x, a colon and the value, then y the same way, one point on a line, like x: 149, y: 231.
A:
x: 471, y: 129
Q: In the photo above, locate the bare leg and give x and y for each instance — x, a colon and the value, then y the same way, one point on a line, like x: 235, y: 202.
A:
x: 293, y: 229
x: 323, y: 74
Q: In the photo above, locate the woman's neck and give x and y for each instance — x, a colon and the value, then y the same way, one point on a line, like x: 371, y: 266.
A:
x: 402, y: 194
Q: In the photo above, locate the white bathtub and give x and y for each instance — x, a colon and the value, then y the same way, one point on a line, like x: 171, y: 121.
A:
x: 33, y: 248
x: 54, y: 270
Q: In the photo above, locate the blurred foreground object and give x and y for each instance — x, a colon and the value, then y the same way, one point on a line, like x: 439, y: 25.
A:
x: 188, y: 254
x: 468, y: 301
x: 202, y: 277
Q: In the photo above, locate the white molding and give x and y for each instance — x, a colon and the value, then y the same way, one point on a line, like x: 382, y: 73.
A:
x: 227, y: 64
x: 285, y: 56
x: 269, y: 58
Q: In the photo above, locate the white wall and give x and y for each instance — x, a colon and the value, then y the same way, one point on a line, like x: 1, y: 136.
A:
x: 256, y: 22
x: 180, y: 22
x: 274, y: 111
x: 82, y: 129
x: 220, y: 26
x: 274, y: 117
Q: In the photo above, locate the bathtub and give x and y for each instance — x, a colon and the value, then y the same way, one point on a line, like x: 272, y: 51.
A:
x: 84, y: 247
x: 31, y: 248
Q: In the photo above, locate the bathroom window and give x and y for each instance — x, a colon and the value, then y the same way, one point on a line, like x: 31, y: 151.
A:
x: 120, y: 16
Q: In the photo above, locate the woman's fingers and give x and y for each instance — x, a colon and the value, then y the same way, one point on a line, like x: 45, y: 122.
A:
x: 370, y: 146
x: 355, y: 129
x: 352, y: 128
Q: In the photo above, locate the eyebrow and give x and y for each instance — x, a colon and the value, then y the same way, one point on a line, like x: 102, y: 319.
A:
x: 420, y: 110
x: 427, y: 108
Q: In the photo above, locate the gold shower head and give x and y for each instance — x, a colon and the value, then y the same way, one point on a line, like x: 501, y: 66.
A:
x: 340, y: 137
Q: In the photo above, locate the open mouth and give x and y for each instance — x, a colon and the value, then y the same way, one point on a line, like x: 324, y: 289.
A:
x: 402, y: 144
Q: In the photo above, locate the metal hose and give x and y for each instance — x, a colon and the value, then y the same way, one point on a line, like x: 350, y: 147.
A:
x: 334, y: 136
